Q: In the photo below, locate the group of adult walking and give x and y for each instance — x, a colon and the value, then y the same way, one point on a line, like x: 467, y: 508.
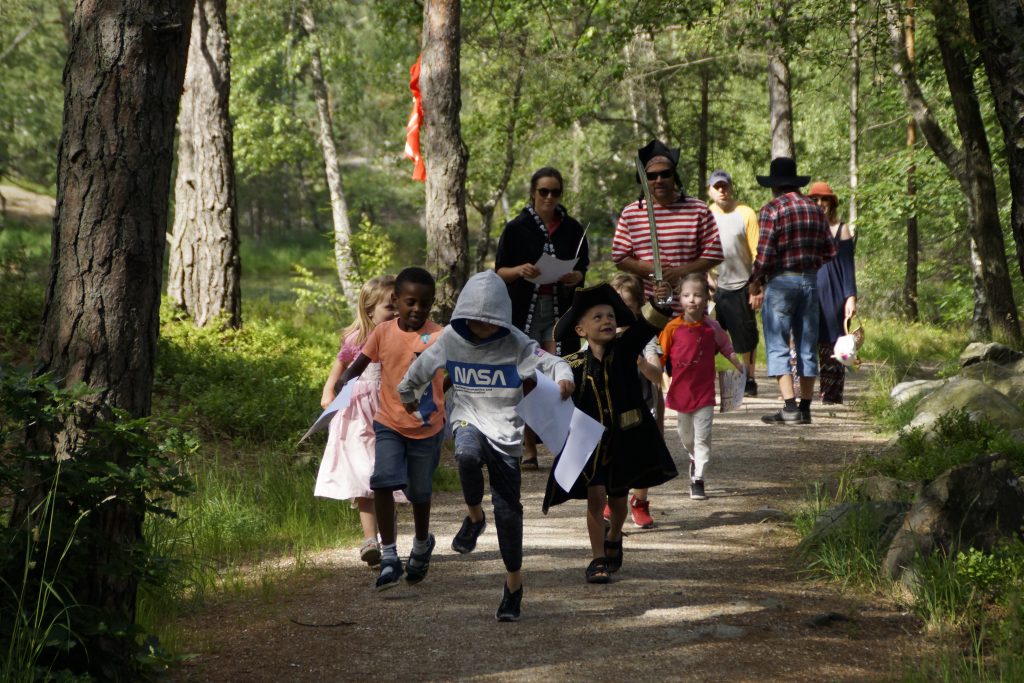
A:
x: 793, y: 261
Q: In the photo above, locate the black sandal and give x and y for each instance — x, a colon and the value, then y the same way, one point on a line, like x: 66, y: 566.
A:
x: 614, y: 561
x: 530, y: 464
x: 597, y: 571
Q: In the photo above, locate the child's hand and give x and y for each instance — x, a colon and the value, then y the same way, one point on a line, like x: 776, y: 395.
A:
x: 567, y: 387
x: 736, y: 362
x: 326, y: 399
x: 411, y: 406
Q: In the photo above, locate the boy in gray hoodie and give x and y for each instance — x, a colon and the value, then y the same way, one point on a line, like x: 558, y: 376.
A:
x: 487, y: 360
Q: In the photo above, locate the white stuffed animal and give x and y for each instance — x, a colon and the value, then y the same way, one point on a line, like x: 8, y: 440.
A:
x: 845, y: 350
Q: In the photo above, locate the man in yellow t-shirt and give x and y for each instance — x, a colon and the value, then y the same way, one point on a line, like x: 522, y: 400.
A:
x: 734, y: 307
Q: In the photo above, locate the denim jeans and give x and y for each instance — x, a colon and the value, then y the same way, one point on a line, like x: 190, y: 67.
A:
x: 472, y: 453
x: 791, y: 307
x: 404, y: 463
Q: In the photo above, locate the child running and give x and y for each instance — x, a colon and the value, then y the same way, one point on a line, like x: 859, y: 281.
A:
x: 632, y: 452
x: 690, y: 343
x: 348, y: 458
x: 488, y: 360
x: 648, y: 364
x: 408, y: 446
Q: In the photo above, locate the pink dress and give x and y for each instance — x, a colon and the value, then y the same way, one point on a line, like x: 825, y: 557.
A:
x: 348, y: 458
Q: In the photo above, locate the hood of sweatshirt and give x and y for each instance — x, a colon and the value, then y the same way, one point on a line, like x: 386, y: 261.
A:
x: 484, y: 298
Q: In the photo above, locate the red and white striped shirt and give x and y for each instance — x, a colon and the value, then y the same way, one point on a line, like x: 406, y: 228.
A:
x: 687, y: 231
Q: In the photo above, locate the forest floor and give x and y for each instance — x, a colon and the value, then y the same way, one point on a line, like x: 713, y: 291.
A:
x: 713, y: 592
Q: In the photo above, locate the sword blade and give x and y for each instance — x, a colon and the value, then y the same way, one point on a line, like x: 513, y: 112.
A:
x: 642, y: 174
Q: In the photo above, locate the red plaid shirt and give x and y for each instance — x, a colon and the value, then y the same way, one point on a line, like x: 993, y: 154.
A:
x: 794, y: 236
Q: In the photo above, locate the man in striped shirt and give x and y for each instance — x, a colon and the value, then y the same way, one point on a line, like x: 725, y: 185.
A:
x: 795, y: 241
x: 687, y: 232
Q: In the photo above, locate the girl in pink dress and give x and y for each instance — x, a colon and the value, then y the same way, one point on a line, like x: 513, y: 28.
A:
x: 348, y: 458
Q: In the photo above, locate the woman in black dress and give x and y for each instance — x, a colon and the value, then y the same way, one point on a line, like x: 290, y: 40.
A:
x: 542, y: 227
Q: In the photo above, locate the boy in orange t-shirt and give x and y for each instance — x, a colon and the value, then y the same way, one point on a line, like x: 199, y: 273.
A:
x: 408, y: 445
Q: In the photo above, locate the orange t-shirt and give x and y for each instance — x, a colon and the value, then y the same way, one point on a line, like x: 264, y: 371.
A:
x: 395, y: 350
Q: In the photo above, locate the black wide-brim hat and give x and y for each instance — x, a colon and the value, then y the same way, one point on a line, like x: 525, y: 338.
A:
x: 782, y: 173
x: 585, y: 299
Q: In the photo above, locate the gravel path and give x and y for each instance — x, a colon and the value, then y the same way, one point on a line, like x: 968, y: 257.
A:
x: 713, y: 592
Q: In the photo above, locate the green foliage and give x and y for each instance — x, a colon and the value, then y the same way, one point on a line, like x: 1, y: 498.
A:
x: 315, y: 295
x: 954, y: 440
x: 59, y: 536
x: 22, y: 251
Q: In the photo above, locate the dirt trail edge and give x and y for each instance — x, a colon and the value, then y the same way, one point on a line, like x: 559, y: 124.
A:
x: 713, y: 592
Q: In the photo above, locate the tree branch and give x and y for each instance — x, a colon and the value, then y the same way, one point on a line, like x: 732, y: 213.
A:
x: 9, y: 50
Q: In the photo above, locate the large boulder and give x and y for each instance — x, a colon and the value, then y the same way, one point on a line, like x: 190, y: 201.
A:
x: 1005, y: 379
x: 908, y: 391
x: 880, y: 519
x: 977, y: 352
x: 975, y: 398
x: 969, y: 506
x: 879, y: 488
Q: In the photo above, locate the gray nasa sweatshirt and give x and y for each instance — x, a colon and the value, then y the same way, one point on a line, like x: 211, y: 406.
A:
x: 487, y: 375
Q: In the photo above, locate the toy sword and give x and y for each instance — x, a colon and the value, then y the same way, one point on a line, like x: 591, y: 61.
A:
x: 642, y: 174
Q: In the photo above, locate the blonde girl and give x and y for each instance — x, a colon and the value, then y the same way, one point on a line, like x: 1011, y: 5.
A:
x: 348, y: 458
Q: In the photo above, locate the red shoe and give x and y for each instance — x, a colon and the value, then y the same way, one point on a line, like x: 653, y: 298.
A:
x: 641, y: 512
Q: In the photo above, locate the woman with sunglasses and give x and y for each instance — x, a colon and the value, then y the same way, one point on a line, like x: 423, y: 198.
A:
x: 542, y: 227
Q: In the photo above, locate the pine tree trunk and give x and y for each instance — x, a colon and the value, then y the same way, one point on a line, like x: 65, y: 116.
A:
x: 343, y: 257
x: 909, y: 293
x: 998, y: 27
x: 444, y: 153
x: 703, y: 134
x: 854, y: 112
x: 204, y: 268
x: 122, y: 84
x: 780, y: 104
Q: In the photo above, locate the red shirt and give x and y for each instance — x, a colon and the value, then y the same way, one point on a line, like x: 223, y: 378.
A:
x: 690, y: 348
x: 794, y: 236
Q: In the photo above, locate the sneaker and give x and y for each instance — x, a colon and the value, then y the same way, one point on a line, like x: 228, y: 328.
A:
x: 697, y: 490
x: 465, y: 541
x: 784, y: 416
x: 805, y: 417
x: 418, y: 564
x: 641, y: 512
x: 751, y: 388
x: 369, y: 552
x: 508, y: 610
x: 390, y: 574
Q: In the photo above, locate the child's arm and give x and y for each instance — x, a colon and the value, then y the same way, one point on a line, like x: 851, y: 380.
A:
x: 724, y: 343
x: 533, y: 358
x: 332, y: 379
x: 650, y: 371
x: 352, y: 371
x: 419, y: 374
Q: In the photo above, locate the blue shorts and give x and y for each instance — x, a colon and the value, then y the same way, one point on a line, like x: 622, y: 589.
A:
x: 791, y: 308
x: 401, y: 462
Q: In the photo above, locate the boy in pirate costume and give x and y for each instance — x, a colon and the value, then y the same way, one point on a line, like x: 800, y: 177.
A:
x: 632, y: 452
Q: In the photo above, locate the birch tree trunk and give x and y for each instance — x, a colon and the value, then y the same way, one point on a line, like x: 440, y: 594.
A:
x: 204, y: 267
x: 998, y: 27
x: 854, y: 112
x: 122, y: 84
x: 344, y: 260
x: 780, y: 104
x: 444, y: 153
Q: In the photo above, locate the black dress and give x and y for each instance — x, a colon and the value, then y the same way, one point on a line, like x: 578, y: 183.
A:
x: 524, y: 241
x: 632, y: 452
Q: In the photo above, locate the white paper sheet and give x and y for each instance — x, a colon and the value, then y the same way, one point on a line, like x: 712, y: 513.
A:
x: 584, y: 436
x: 731, y: 385
x: 552, y: 269
x: 546, y: 413
x: 340, y: 402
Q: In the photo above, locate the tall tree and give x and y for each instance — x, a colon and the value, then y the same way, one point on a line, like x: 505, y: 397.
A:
x: 444, y: 152
x: 122, y: 84
x: 204, y: 268
x: 998, y: 27
x: 970, y: 164
x: 343, y: 256
x: 909, y: 291
x: 854, y: 110
x: 780, y: 102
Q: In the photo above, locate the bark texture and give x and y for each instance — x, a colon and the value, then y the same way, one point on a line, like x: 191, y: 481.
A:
x: 998, y: 27
x: 909, y: 294
x: 780, y: 104
x: 343, y: 257
x: 854, y: 126
x: 122, y: 83
x: 204, y: 268
x: 970, y: 165
x: 444, y: 153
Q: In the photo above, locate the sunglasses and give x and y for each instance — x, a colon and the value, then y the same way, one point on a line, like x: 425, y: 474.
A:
x: 546, y: 192
x: 666, y: 174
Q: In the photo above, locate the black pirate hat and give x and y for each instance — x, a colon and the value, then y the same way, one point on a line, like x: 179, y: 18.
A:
x: 585, y: 299
x: 657, y: 148
x: 782, y: 173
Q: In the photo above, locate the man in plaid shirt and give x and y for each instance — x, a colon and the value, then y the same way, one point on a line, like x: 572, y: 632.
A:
x: 795, y: 241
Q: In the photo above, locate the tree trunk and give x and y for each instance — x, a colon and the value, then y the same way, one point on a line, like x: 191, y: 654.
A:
x: 702, y: 133
x: 998, y: 27
x: 971, y: 166
x: 978, y: 182
x: 909, y: 294
x: 483, y: 247
x: 343, y: 258
x: 204, y: 266
x: 981, y: 328
x: 780, y: 104
x: 122, y: 84
x: 444, y: 153
x: 854, y: 112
